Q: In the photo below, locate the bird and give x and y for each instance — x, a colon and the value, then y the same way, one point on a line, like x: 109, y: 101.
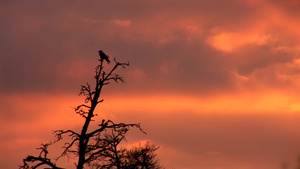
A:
x: 103, y: 56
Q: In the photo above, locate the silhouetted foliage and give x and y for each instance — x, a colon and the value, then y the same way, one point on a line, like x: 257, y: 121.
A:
x: 142, y: 157
x: 137, y: 157
x: 97, y: 148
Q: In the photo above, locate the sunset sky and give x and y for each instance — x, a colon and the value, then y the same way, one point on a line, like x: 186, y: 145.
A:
x: 214, y: 83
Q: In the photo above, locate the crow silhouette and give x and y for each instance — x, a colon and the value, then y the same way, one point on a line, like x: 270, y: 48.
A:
x: 103, y: 56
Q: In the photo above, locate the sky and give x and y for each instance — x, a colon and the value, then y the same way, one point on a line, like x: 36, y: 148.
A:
x: 215, y: 84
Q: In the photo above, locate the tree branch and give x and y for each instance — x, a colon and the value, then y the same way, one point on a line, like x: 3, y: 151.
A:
x: 41, y: 159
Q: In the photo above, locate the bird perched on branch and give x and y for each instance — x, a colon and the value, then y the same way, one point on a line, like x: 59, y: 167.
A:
x: 103, y: 56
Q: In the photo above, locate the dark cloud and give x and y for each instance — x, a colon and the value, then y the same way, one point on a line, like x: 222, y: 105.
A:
x: 258, y: 57
x: 153, y: 36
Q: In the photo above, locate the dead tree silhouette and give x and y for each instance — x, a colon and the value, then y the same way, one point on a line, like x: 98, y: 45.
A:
x: 92, y: 148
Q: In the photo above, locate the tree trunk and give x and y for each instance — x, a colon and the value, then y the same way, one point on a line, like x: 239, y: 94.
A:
x: 83, y: 138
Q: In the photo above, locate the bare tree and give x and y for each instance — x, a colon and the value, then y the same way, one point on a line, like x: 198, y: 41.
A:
x: 112, y: 157
x: 137, y: 157
x: 40, y: 160
x: 90, y: 147
x: 142, y: 157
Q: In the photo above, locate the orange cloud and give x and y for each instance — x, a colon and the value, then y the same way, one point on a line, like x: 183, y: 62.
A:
x: 247, y: 102
x: 228, y: 41
x: 125, y: 23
